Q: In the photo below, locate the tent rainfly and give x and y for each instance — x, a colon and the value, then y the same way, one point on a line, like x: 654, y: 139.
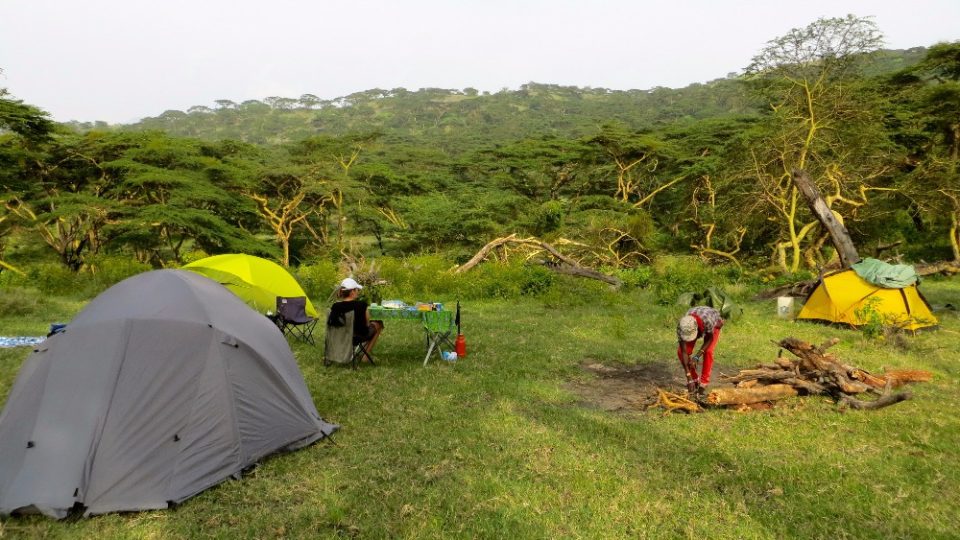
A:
x: 840, y: 295
x: 257, y: 281
x: 163, y: 386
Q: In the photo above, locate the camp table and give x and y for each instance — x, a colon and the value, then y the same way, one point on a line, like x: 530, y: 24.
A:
x: 437, y: 325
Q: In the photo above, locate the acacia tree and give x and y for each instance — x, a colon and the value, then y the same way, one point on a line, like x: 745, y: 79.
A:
x: 23, y: 130
x: 638, y: 161
x: 286, y: 198
x: 805, y: 77
x: 330, y: 162
x: 543, y: 169
x: 929, y: 126
x: 174, y: 195
x: 65, y: 202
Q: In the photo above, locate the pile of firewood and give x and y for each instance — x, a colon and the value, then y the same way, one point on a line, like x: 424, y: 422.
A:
x: 814, y: 371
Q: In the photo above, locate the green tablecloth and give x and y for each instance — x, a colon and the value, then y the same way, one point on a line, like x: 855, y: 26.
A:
x: 380, y: 312
x: 438, y: 326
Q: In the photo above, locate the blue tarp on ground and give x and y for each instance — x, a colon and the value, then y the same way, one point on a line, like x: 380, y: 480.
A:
x: 19, y: 341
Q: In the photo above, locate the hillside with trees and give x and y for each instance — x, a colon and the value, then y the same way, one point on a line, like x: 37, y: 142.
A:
x: 614, y: 177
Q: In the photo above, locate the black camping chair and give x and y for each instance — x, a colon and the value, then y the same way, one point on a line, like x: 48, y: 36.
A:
x: 339, y: 346
x: 292, y: 318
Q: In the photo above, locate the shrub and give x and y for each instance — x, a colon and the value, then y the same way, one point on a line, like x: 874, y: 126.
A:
x: 880, y: 326
x: 104, y: 271
x: 872, y: 324
x: 637, y: 278
x: 673, y: 276
x: 569, y: 291
x: 426, y: 277
x: 536, y: 280
x: 548, y: 217
x: 20, y: 302
x: 317, y: 279
x: 52, y: 278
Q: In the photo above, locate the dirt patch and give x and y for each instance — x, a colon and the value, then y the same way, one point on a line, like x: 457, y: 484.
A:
x: 626, y: 388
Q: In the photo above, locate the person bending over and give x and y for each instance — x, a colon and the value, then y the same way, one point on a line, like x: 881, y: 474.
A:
x: 700, y: 322
x: 364, y: 330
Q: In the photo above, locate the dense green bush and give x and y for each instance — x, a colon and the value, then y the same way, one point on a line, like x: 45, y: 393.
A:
x: 318, y: 279
x: 638, y: 278
x: 428, y: 277
x: 102, y: 272
x: 425, y: 277
x: 673, y: 276
x: 20, y: 302
x: 48, y: 277
x: 548, y: 217
x: 107, y: 270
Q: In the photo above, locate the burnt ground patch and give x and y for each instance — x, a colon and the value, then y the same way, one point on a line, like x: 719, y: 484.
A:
x: 626, y: 388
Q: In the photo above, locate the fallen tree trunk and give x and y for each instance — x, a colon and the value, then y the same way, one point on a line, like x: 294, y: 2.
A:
x: 583, y: 271
x: 800, y: 289
x: 746, y: 396
x: 566, y: 265
x: 943, y: 267
x: 884, y: 401
x: 838, y: 233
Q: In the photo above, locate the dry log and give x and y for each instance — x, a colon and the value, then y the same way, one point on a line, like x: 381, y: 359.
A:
x: 800, y: 289
x: 567, y: 265
x: 943, y: 267
x: 895, y: 378
x: 743, y: 396
x: 867, y: 378
x: 583, y: 271
x: 484, y: 251
x: 884, y: 401
x: 815, y: 372
x: 822, y: 349
x: 899, y: 377
x: 809, y: 387
x: 838, y: 233
x: 674, y: 402
x: 785, y: 363
x: 759, y: 374
x: 810, y: 359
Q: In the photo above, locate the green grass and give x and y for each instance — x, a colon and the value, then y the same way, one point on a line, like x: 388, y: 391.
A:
x: 494, y: 446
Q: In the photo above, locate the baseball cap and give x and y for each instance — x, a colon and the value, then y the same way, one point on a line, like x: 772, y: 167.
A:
x: 688, y: 328
x: 349, y: 284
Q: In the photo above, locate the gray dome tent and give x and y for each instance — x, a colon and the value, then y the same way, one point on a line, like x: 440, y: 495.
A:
x: 163, y: 386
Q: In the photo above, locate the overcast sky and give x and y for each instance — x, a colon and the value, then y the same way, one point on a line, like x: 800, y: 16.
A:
x: 120, y: 60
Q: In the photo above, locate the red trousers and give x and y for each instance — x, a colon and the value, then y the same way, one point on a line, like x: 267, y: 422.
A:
x: 707, y: 358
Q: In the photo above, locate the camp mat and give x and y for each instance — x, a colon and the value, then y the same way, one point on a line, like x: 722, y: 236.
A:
x: 19, y: 341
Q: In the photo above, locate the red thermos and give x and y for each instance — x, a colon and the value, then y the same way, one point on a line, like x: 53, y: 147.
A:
x: 461, y: 346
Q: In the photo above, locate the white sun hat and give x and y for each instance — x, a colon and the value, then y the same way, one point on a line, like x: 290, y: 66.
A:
x: 350, y: 284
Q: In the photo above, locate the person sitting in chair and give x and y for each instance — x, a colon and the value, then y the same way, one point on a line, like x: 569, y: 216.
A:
x: 364, y: 330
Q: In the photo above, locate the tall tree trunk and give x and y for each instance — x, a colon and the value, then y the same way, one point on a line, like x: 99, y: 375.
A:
x: 838, y: 233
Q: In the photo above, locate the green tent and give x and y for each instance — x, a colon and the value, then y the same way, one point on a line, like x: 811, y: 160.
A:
x: 258, y: 282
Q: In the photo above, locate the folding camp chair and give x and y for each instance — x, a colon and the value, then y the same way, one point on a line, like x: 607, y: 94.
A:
x: 438, y: 326
x: 293, y: 320
x: 338, y: 345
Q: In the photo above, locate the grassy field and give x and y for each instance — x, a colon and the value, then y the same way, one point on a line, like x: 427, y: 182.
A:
x: 498, y: 446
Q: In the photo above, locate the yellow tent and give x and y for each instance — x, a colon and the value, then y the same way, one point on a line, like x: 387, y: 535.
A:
x: 257, y: 281
x: 839, y: 295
